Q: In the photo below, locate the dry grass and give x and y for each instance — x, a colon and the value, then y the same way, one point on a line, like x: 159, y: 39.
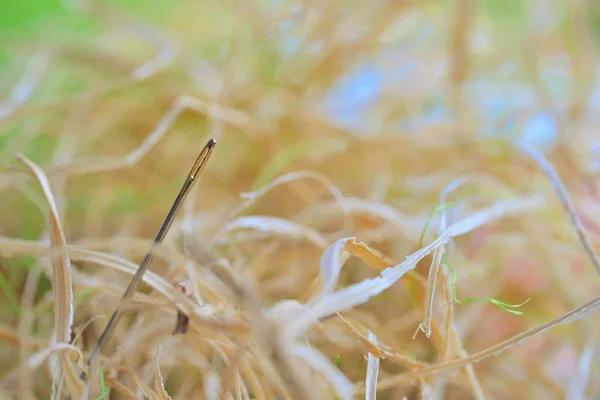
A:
x: 328, y: 251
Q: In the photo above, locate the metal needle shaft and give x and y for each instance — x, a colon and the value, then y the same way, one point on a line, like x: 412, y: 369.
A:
x: 191, y: 179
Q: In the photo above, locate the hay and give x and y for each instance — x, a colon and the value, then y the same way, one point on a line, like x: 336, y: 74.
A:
x: 381, y: 167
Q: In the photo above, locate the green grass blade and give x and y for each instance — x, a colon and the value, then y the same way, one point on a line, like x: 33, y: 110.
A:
x: 102, y: 385
x: 467, y: 300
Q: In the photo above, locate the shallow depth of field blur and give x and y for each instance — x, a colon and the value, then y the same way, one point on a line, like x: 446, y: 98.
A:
x: 392, y: 181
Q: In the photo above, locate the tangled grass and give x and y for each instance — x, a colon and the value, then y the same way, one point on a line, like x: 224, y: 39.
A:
x: 402, y: 203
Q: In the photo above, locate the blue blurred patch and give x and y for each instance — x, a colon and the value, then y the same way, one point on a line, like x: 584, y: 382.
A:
x: 289, y: 43
x: 348, y: 101
x: 595, y: 96
x: 436, y: 113
x: 540, y: 130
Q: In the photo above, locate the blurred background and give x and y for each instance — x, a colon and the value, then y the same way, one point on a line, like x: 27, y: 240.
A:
x: 385, y: 103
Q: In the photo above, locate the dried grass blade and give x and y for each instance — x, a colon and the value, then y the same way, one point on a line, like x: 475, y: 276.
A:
x: 27, y: 84
x: 565, y: 199
x: 142, y: 386
x: 336, y: 193
x: 38, y: 358
x: 332, y: 260
x: 500, y: 209
x: 249, y: 374
x: 61, y: 278
x: 361, y: 292
x: 341, y: 385
x: 344, y: 299
x: 212, y: 386
x: 380, y: 262
x: 356, y: 206
x: 379, y: 352
x: 279, y: 227
x: 158, y: 379
x: 431, y: 289
x: 581, y: 378
x: 372, y: 372
x: 495, y: 350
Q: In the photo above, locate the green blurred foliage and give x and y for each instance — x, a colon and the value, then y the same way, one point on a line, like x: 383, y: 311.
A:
x: 510, y: 13
x: 594, y: 20
x: 23, y: 16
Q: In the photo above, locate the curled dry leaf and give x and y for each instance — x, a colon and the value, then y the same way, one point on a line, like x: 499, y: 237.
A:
x: 359, y: 293
x: 330, y: 265
x: 61, y: 279
x: 379, y: 262
x: 332, y: 260
x: 338, y: 253
x: 343, y: 299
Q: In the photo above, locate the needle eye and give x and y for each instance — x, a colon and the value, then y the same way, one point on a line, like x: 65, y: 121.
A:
x: 200, y: 163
